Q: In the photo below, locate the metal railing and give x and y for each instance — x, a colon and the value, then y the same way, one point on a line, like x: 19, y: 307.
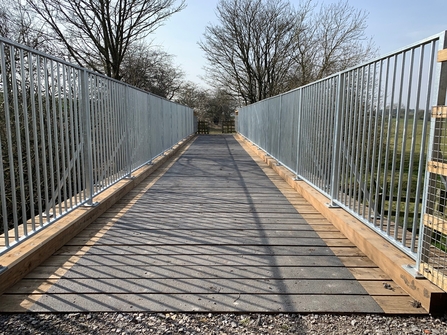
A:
x: 432, y: 260
x: 359, y: 137
x: 67, y: 134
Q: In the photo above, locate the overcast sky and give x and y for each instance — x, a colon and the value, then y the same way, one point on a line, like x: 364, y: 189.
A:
x: 392, y: 24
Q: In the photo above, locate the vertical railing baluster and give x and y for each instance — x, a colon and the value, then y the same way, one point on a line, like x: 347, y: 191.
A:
x: 15, y: 68
x: 34, y: 119
x: 2, y: 176
x: 87, y: 134
x: 337, y: 142
x: 7, y: 105
x: 129, y: 115
x: 298, y: 134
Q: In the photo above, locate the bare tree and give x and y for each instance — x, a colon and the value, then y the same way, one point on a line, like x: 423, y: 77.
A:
x: 152, y: 70
x: 195, y: 97
x: 98, y: 33
x: 18, y: 24
x: 4, y: 18
x: 330, y: 40
x: 261, y: 48
x: 250, y: 51
x: 220, y: 105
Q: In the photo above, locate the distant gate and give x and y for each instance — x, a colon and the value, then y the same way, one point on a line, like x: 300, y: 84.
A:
x: 203, y: 127
x: 228, y: 127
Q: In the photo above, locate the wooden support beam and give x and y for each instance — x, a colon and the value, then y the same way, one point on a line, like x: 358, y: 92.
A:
x: 442, y: 55
x: 439, y: 112
x: 437, y: 168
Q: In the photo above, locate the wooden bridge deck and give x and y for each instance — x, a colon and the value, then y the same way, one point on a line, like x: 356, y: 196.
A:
x: 215, y: 230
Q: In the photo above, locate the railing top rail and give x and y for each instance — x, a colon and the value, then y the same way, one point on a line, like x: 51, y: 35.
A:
x: 375, y: 60
x: 78, y: 67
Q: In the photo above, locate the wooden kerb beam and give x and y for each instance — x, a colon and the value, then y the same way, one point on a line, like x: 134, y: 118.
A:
x: 22, y: 259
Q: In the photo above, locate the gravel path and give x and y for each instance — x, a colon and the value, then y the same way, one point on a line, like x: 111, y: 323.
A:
x: 146, y: 323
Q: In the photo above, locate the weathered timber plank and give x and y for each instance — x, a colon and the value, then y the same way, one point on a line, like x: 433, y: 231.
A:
x: 184, y: 260
x: 177, y: 209
x: 205, y: 221
x: 336, y: 242
x: 185, y: 240
x: 347, y: 251
x: 324, y: 227
x: 383, y: 288
x: 194, y: 199
x: 231, y: 224
x: 398, y: 305
x: 195, y: 303
x: 188, y: 285
x: 206, y: 215
x: 369, y: 274
x: 206, y: 225
x: 192, y: 271
x: 357, y: 262
x: 199, y: 250
x: 333, y: 235
x: 234, y: 234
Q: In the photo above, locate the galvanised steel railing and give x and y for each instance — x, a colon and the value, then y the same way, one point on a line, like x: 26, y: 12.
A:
x: 359, y: 137
x: 67, y: 134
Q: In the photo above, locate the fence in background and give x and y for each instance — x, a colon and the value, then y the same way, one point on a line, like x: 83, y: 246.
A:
x: 360, y: 137
x: 67, y: 134
x: 228, y: 127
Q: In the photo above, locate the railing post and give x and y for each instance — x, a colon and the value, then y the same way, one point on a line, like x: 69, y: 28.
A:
x: 2, y: 175
x: 87, y: 134
x: 298, y: 134
x: 278, y: 157
x: 337, y: 142
x: 128, y: 115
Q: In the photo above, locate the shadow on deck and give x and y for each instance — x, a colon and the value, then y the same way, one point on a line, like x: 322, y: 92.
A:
x: 212, y: 230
